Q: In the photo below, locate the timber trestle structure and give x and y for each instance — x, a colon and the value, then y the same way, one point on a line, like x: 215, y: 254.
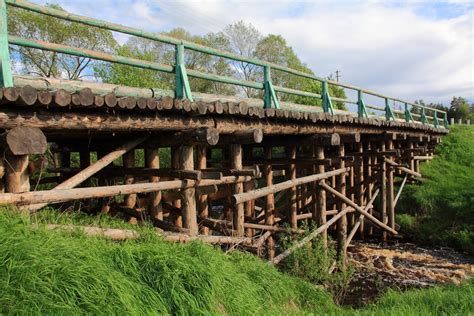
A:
x: 237, y: 172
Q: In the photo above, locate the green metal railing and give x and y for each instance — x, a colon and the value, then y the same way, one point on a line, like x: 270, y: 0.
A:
x: 182, y: 86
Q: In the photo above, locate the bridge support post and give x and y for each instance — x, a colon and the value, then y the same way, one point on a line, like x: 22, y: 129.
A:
x: 202, y: 201
x: 359, y: 182
x: 236, y: 163
x: 321, y: 195
x: 293, y: 207
x: 383, y: 187
x: 270, y: 200
x: 189, y: 199
x: 152, y: 161
x: 342, y: 223
x: 175, y: 164
x: 391, y: 190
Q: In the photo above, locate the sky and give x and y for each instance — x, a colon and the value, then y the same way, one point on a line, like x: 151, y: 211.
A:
x: 407, y: 49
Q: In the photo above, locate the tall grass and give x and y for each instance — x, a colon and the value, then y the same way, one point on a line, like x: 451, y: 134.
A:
x: 444, y: 204
x: 67, y: 273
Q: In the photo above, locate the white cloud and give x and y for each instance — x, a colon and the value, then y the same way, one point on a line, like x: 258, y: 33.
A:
x: 389, y: 47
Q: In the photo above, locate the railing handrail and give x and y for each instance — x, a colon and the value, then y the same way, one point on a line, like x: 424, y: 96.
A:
x: 267, y: 85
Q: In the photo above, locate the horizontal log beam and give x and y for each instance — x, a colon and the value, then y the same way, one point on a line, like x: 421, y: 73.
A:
x: 404, y: 169
x: 63, y: 195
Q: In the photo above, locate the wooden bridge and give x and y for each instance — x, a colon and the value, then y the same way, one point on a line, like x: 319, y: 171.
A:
x: 243, y: 171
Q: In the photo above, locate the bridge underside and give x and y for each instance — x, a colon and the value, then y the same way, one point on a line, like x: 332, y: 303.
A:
x: 223, y: 172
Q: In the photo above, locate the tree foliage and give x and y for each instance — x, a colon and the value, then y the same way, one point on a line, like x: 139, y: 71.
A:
x: 31, y: 25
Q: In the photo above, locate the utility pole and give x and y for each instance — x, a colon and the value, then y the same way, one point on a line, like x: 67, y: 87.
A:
x: 338, y: 75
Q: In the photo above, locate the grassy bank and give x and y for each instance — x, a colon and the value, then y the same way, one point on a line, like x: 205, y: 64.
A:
x: 67, y: 273
x: 441, y: 210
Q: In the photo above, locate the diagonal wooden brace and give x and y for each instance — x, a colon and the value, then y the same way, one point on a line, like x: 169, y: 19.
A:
x: 92, y: 169
x: 357, y: 208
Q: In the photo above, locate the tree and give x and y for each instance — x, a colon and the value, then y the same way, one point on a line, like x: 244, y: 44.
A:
x: 27, y: 24
x: 243, y: 40
x: 459, y: 109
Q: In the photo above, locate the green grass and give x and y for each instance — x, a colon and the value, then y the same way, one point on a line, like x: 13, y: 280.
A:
x: 67, y: 273
x: 444, y: 204
x: 53, y: 272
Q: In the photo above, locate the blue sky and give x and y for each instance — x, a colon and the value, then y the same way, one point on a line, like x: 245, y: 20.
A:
x: 409, y: 49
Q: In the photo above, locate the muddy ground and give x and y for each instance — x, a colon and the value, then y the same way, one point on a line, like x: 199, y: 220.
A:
x: 401, y: 266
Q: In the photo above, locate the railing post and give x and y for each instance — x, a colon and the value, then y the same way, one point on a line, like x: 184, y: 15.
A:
x: 445, y: 120
x: 388, y: 111
x: 435, y: 119
x: 424, y: 120
x: 6, y: 78
x: 408, y: 116
x: 361, y: 109
x: 269, y: 94
x: 182, y: 87
x: 327, y: 103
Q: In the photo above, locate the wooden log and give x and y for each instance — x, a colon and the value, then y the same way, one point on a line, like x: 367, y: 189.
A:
x: 308, y: 238
x: 359, y: 185
x: 360, y: 221
x: 23, y: 140
x: 94, y: 168
x: 11, y: 94
x: 203, y: 204
x: 121, y: 235
x: 404, y: 169
x: 350, y: 138
x: 383, y: 185
x: 28, y: 95
x: 16, y: 173
x: 129, y: 162
x: 236, y: 163
x: 391, y: 190
x: 252, y: 195
x: 175, y: 163
x: 189, y: 200
x: 44, y: 98
x: 321, y: 197
x: 269, y: 202
x: 252, y: 136
x: 342, y: 223
x: 63, y: 195
x: 400, y: 190
x: 357, y: 208
x: 62, y: 98
x: 152, y: 161
x: 293, y: 206
x: 423, y: 157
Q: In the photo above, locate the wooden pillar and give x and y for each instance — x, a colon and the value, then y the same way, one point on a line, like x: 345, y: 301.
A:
x: 391, y: 190
x: 16, y: 173
x: 238, y: 212
x: 270, y: 201
x: 383, y: 188
x: 189, y: 211
x: 351, y: 186
x: 293, y: 207
x: 412, y: 161
x: 175, y: 164
x: 321, y: 198
x: 104, y: 202
x: 369, y: 182
x: 360, y: 200
x: 342, y: 223
x: 152, y: 161
x: 249, y: 206
x: 129, y: 162
x: 202, y: 202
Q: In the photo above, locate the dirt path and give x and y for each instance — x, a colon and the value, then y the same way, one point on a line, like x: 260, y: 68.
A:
x: 401, y: 266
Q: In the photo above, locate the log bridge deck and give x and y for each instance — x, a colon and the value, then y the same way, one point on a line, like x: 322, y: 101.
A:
x: 239, y: 171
